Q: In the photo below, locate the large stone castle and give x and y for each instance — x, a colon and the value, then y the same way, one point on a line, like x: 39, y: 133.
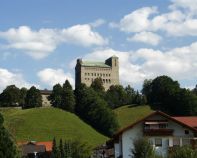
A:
x: 87, y: 71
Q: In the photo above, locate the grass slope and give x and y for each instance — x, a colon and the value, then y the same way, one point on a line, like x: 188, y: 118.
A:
x: 43, y: 124
x: 129, y: 114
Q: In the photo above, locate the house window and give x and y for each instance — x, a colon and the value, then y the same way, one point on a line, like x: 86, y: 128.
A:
x: 176, y: 142
x: 186, y: 131
x: 158, y: 142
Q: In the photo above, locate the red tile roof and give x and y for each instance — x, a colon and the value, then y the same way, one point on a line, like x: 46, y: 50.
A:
x: 189, y: 120
x: 48, y: 145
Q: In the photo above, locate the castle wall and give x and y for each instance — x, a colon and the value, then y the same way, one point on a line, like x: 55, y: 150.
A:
x: 87, y: 74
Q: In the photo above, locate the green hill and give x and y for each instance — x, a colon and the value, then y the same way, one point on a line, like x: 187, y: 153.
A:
x: 129, y: 114
x: 42, y: 124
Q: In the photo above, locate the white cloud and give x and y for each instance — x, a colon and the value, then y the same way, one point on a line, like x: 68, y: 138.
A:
x: 51, y: 76
x: 179, y: 63
x: 189, y: 5
x: 9, y: 78
x: 97, y: 23
x: 137, y: 20
x: 146, y: 37
x: 176, y: 22
x: 83, y: 35
x: 39, y: 44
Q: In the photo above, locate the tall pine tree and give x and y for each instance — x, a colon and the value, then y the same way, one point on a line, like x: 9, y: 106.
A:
x: 68, y: 98
x: 56, y: 96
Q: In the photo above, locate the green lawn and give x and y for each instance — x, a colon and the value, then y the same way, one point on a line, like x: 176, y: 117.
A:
x: 43, y: 124
x: 129, y: 114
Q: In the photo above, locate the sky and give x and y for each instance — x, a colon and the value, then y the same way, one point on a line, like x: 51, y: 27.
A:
x: 40, y: 40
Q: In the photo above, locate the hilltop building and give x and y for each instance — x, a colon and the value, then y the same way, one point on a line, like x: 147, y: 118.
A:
x: 45, y: 94
x: 87, y: 71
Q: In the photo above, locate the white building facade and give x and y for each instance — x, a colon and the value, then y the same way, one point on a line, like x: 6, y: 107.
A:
x: 161, y: 130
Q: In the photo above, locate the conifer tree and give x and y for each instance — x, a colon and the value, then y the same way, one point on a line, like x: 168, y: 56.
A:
x: 33, y: 98
x: 7, y: 146
x: 68, y: 98
x: 55, y: 151
x: 56, y: 96
x: 61, y: 149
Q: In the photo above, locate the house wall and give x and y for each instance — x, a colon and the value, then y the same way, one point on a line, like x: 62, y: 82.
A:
x: 130, y: 135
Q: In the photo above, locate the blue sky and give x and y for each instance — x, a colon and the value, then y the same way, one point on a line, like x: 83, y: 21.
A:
x: 40, y: 40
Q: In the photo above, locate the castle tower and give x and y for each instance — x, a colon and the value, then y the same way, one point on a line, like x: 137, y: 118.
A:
x: 87, y: 71
x: 114, y: 63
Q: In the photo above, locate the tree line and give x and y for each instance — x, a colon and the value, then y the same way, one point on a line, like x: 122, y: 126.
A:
x: 12, y: 96
x: 165, y: 94
x: 94, y: 105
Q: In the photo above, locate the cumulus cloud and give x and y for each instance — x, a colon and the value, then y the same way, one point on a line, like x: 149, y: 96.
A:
x: 146, y: 37
x: 9, y: 78
x: 137, y: 20
x: 135, y: 66
x: 189, y: 5
x: 178, y: 21
x: 82, y: 35
x: 51, y: 76
x: 40, y: 43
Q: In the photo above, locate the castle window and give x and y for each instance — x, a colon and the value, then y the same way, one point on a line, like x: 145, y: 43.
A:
x: 97, y: 74
x: 106, y: 75
x: 109, y: 75
x: 88, y: 74
x: 94, y: 74
x: 85, y: 74
x: 103, y: 75
x: 115, y: 62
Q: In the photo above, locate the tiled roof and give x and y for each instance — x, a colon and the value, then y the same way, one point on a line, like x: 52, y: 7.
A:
x: 48, y: 145
x: 189, y: 120
x: 94, y: 64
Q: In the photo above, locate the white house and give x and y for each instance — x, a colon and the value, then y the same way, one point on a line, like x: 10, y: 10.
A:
x: 163, y: 131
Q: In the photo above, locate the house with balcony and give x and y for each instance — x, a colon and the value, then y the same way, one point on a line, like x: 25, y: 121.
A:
x: 161, y: 130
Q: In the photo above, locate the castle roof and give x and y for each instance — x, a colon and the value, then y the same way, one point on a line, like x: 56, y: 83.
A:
x: 94, y: 64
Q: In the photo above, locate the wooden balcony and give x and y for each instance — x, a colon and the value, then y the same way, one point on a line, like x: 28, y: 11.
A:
x: 158, y: 132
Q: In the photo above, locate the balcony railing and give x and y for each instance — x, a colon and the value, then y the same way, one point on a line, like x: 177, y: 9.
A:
x: 158, y: 132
